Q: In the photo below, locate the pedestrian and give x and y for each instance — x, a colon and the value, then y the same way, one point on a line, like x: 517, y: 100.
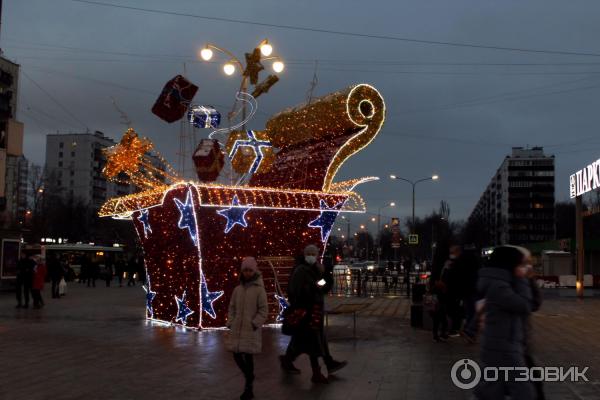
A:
x: 83, y: 269
x: 248, y: 310
x: 470, y: 265
x: 25, y: 268
x: 438, y: 292
x: 92, y: 271
x: 37, y: 285
x: 536, y: 303
x: 119, y: 270
x: 508, y: 303
x: 131, y: 271
x: 451, y: 276
x: 108, y: 270
x: 306, y: 290
x: 55, y: 270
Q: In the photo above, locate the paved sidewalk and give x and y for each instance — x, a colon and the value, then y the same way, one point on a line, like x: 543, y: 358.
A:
x: 94, y: 344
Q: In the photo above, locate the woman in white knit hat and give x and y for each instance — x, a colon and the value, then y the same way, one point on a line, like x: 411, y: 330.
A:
x: 248, y: 311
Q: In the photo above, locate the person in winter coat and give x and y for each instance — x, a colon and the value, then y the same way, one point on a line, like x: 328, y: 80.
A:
x: 39, y: 277
x: 248, y: 310
x: 25, y: 267
x: 438, y: 288
x: 55, y: 271
x: 306, y: 290
x: 508, y: 303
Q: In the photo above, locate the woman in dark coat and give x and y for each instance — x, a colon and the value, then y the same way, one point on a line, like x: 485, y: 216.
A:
x: 306, y: 290
x: 508, y: 303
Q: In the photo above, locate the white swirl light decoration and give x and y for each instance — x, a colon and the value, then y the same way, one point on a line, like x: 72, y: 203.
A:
x: 246, y: 98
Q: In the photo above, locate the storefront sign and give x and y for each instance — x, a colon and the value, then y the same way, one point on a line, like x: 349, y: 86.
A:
x: 585, y: 180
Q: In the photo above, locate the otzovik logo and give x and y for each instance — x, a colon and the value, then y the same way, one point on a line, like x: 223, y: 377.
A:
x: 465, y: 374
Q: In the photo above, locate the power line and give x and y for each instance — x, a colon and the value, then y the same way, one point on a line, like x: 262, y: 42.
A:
x: 497, y: 97
x: 65, y: 109
x: 341, y: 33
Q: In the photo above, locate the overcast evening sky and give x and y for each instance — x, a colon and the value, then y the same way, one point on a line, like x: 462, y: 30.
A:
x: 458, y: 121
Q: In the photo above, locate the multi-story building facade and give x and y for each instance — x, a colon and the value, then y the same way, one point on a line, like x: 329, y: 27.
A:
x: 13, y: 165
x: 517, y: 206
x: 74, y: 164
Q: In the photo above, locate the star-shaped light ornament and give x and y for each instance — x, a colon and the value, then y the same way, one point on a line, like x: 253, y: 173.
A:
x: 326, y: 220
x: 236, y: 214
x: 187, y: 220
x: 208, y: 298
x: 150, y: 295
x: 183, y: 311
x: 143, y: 218
x: 126, y: 156
x: 253, y: 66
x: 283, y: 304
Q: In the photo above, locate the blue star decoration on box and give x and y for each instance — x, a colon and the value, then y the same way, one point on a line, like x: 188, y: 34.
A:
x: 183, y: 311
x: 256, y: 145
x: 208, y: 298
x: 187, y: 219
x: 236, y: 214
x: 283, y: 304
x: 150, y: 295
x: 326, y: 220
x: 143, y: 218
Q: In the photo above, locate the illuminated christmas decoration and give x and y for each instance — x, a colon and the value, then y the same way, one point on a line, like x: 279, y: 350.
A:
x: 208, y: 298
x: 173, y: 101
x: 279, y: 212
x: 283, y: 304
x: 143, y: 218
x: 130, y: 157
x: 183, y: 311
x: 187, y: 218
x: 204, y: 116
x: 326, y: 219
x: 253, y: 66
x: 247, y: 151
x: 208, y: 160
x: 236, y: 214
x: 150, y: 295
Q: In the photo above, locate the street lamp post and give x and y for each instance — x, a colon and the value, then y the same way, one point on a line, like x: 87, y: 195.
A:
x: 392, y: 204
x: 250, y: 71
x: 414, y: 185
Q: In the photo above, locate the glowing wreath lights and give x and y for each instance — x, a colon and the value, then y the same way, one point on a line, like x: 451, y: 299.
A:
x: 194, y: 235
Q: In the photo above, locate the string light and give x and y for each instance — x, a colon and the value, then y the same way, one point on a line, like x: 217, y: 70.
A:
x: 242, y: 161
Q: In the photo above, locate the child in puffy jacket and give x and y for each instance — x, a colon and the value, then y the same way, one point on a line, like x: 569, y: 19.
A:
x: 248, y: 311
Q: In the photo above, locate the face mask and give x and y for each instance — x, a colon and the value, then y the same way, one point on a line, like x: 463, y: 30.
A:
x: 310, y: 259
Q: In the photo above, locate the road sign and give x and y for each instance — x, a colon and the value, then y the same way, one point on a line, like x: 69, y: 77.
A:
x: 413, y: 238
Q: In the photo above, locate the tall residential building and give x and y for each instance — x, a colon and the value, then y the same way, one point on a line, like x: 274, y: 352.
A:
x: 13, y: 166
x: 74, y: 164
x: 518, y: 205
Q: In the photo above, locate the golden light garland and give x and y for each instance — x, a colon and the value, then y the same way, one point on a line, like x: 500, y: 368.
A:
x: 214, y: 195
x: 130, y: 158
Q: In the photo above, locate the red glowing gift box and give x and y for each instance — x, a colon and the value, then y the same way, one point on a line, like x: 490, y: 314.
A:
x: 194, y: 235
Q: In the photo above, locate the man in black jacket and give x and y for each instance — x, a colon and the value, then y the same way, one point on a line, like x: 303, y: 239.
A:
x: 25, y: 268
x: 306, y: 290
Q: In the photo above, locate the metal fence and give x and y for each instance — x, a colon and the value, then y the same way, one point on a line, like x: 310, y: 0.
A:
x: 370, y: 284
